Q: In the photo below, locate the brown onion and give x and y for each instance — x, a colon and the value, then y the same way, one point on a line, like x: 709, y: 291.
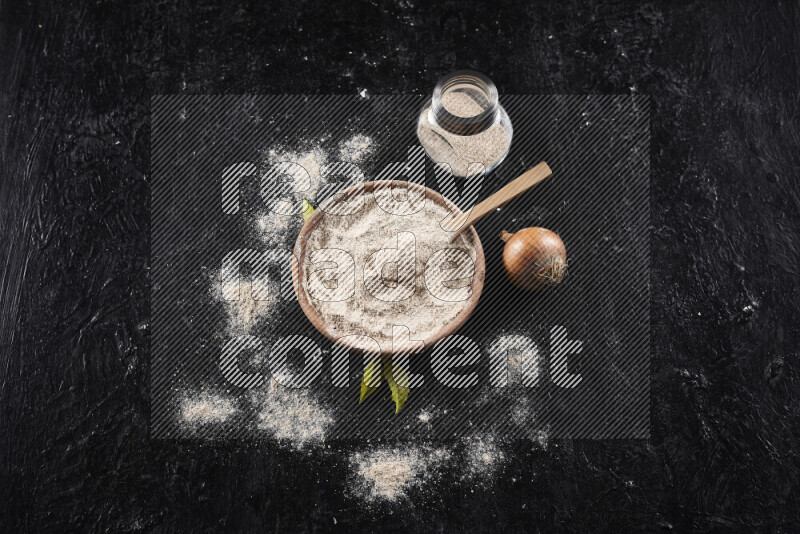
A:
x: 534, y: 258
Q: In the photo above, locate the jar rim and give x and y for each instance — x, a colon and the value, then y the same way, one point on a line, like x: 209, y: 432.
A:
x: 465, y: 125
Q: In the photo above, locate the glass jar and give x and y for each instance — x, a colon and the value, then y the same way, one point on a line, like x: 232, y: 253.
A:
x: 463, y: 126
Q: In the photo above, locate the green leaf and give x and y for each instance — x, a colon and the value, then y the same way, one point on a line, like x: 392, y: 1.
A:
x: 397, y: 378
x: 367, y: 388
x: 308, y: 209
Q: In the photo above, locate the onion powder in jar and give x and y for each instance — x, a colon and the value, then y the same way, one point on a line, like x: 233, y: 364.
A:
x: 463, y: 126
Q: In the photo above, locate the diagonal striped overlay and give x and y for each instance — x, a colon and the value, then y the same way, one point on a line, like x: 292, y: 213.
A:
x: 572, y: 360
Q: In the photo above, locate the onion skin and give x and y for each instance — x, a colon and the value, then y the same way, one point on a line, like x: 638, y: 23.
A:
x: 534, y: 258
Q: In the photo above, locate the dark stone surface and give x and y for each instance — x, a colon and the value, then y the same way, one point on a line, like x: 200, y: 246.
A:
x: 76, y: 80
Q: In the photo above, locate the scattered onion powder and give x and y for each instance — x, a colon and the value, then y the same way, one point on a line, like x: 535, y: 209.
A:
x: 204, y: 408
x: 388, y: 473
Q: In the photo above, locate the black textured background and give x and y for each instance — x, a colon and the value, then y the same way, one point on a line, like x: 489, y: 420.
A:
x: 76, y: 81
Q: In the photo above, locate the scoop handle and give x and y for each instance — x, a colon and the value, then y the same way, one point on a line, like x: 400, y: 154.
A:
x: 510, y: 191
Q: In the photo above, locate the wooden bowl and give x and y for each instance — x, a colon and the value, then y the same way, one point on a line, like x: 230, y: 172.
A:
x: 300, y: 254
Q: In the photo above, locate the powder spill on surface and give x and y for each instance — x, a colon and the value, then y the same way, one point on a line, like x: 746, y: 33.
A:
x: 524, y: 416
x: 312, y: 160
x: 390, y: 473
x: 206, y: 408
x: 483, y: 457
x: 424, y: 416
x: 356, y: 149
x: 256, y: 301
x: 292, y: 416
x: 275, y: 227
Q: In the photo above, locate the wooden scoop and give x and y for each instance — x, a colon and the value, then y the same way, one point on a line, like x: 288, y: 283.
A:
x: 525, y: 181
